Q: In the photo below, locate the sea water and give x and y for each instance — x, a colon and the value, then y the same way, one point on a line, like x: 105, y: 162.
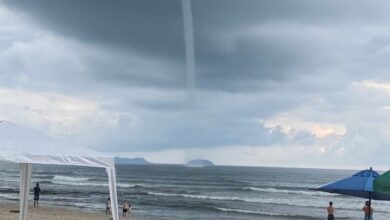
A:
x: 178, y: 192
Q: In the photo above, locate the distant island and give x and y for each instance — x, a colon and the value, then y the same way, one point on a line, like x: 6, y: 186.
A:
x: 199, y: 163
x: 131, y: 161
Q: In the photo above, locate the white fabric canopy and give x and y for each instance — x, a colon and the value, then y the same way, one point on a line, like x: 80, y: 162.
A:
x: 25, y: 146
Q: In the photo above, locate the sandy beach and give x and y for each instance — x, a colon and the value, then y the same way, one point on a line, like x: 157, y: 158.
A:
x: 54, y: 213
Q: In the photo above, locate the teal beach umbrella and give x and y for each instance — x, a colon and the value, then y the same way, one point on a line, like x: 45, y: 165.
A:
x: 382, y: 183
x: 361, y: 184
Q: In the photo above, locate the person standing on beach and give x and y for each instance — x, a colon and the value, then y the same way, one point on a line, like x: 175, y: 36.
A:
x: 108, y: 206
x: 126, y: 210
x: 330, y: 211
x: 37, y: 190
x: 368, y: 211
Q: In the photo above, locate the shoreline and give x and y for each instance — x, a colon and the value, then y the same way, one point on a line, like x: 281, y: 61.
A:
x: 55, y: 213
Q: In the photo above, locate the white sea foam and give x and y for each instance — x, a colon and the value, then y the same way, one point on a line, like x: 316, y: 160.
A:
x: 252, y: 212
x: 9, y: 179
x: 70, y: 178
x: 9, y: 196
x: 242, y: 211
x: 285, y: 191
x: 80, y: 181
x: 233, y: 198
x: 276, y: 201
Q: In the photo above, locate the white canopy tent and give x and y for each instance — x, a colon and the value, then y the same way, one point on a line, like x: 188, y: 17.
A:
x: 25, y: 146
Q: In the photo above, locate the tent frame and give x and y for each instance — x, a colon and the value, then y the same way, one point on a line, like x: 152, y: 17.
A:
x: 26, y: 147
x: 26, y: 161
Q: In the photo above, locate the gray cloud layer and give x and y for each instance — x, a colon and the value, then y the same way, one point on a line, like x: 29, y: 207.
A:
x: 239, y: 44
x: 257, y: 62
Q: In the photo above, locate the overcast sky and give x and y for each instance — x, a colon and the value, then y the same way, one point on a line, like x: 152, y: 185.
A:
x: 278, y: 83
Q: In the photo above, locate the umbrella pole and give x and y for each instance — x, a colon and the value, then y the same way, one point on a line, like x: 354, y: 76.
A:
x: 369, y: 205
x: 369, y: 202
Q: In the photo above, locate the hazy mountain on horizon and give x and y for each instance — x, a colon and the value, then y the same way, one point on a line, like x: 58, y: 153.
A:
x: 134, y: 161
x: 199, y: 163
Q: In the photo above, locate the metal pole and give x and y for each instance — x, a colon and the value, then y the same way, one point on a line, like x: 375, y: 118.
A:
x: 369, y: 201
x: 369, y: 206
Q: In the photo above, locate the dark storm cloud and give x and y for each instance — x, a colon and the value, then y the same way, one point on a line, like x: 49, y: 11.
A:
x: 149, y: 27
x: 269, y: 73
x: 154, y: 30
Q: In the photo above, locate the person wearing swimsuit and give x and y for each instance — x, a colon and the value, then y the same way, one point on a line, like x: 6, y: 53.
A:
x: 330, y: 211
x: 368, y: 211
x: 125, y: 209
x: 108, y: 207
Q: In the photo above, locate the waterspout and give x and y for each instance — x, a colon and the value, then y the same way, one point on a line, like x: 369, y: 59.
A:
x: 189, y: 49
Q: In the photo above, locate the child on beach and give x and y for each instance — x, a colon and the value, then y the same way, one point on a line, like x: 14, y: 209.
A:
x: 126, y: 209
x: 330, y: 211
x: 368, y: 211
x: 108, y: 207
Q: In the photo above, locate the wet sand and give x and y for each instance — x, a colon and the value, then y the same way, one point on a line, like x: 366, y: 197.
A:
x: 54, y: 213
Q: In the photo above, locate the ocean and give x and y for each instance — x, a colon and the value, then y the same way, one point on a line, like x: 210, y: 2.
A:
x: 170, y: 192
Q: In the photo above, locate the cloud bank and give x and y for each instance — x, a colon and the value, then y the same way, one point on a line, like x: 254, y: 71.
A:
x: 278, y: 83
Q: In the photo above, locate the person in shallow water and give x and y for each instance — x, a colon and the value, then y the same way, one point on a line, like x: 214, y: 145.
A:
x: 368, y: 211
x: 330, y: 211
x: 37, y: 190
